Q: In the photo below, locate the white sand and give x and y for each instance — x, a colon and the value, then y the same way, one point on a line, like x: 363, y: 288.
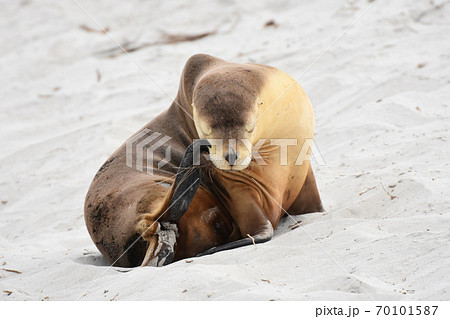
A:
x: 382, y: 105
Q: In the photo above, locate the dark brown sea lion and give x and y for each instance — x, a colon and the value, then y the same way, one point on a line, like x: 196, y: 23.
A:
x: 235, y: 197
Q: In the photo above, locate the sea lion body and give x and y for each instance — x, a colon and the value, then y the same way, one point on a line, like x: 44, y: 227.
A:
x: 120, y: 196
x: 237, y: 203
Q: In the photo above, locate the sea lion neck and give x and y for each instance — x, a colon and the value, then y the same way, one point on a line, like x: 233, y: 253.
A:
x: 184, y: 112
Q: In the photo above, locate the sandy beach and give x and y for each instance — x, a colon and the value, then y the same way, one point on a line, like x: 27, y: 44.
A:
x: 378, y: 76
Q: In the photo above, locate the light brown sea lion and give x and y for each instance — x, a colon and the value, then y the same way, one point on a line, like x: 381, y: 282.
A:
x: 235, y: 197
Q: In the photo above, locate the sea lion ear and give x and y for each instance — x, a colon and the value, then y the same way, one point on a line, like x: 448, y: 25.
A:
x: 188, y: 179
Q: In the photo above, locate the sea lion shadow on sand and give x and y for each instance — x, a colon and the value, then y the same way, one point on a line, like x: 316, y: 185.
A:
x: 94, y: 259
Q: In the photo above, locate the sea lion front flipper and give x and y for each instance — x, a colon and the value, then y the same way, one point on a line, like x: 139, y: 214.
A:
x: 308, y: 200
x: 188, y: 179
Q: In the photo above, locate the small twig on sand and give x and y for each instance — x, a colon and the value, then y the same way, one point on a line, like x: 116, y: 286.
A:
x: 271, y: 23
x: 112, y: 299
x: 166, y: 39
x: 12, y: 270
x: 175, y: 38
x: 253, y: 239
x: 297, y: 223
x: 295, y: 226
x: 366, y: 190
x: 391, y: 196
x: 89, y: 29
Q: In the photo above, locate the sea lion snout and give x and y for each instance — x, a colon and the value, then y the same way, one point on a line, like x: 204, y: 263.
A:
x: 232, y: 156
x: 225, y: 108
x: 230, y: 144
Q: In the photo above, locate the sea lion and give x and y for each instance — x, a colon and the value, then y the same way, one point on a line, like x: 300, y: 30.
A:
x: 235, y: 197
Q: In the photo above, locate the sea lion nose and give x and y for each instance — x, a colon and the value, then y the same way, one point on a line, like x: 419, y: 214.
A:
x: 231, y: 157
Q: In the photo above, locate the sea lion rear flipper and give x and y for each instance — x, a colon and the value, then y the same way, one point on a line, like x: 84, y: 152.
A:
x: 161, y: 235
x: 308, y: 200
x: 262, y: 236
x: 188, y: 179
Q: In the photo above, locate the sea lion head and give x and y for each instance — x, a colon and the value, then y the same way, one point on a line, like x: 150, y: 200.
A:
x: 225, y: 110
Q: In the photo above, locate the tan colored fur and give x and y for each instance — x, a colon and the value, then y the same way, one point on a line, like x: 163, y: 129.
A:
x: 123, y: 203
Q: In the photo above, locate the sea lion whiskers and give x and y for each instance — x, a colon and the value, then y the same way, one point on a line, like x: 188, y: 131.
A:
x: 251, y: 166
x: 267, y: 148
